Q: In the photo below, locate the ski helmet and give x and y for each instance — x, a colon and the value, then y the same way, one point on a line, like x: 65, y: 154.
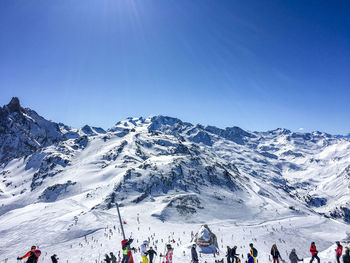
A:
x: 124, y: 241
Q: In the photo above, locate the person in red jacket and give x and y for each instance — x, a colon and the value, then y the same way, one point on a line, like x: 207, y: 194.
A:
x: 314, y: 252
x: 338, y: 251
x: 32, y: 255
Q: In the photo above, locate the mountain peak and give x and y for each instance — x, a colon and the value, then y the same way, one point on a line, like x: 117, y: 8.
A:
x: 163, y: 123
x: 14, y: 105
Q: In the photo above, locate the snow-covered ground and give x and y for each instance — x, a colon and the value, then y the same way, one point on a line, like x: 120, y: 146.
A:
x: 93, y: 234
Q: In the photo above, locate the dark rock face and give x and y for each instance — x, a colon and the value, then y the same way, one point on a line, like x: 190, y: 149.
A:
x: 53, y: 193
x: 14, y: 105
x: 23, y: 131
x: 341, y: 212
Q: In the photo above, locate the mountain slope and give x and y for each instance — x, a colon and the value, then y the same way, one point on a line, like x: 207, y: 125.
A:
x: 278, y: 184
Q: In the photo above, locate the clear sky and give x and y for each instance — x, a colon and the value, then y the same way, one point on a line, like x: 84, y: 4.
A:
x: 259, y: 64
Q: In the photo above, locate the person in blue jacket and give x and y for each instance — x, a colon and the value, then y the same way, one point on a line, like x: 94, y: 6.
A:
x: 250, y: 258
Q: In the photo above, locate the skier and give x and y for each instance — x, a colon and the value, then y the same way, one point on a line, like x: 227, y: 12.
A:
x: 107, y: 259
x: 126, y: 249
x: 314, y: 252
x: 293, y: 257
x: 346, y: 256
x: 113, y: 258
x: 338, y: 251
x: 151, y: 254
x: 54, y: 258
x: 228, y: 255
x: 275, y: 254
x: 250, y: 258
x: 253, y: 252
x: 234, y: 256
x: 169, y: 254
x: 194, y: 254
x: 32, y: 255
x: 144, y: 251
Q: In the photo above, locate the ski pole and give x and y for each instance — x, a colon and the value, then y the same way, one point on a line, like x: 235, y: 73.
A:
x: 120, y: 220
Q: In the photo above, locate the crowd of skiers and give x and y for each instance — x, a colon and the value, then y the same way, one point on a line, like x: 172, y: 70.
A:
x: 145, y: 251
x: 232, y: 256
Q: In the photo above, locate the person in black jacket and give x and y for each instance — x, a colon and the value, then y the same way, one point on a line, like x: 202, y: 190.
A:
x: 151, y: 254
x: 275, y: 254
x: 346, y: 256
x: 113, y: 258
x: 54, y: 258
x: 194, y: 254
x: 234, y: 255
x: 228, y: 255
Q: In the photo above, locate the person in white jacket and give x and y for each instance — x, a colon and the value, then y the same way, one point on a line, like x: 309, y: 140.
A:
x: 144, y: 251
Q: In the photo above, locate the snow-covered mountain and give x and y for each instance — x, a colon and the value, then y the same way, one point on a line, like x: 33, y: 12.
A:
x: 23, y: 131
x: 59, y: 184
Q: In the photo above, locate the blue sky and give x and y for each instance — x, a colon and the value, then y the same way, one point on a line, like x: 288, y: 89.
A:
x: 257, y: 64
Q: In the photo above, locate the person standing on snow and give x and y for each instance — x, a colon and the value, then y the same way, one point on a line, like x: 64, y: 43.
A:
x: 294, y: 257
x: 338, y: 251
x: 32, y: 255
x: 346, y: 256
x: 144, y: 251
x: 107, y: 259
x: 250, y: 258
x: 194, y: 254
x: 169, y: 254
x: 151, y: 254
x: 275, y: 254
x: 253, y: 252
x: 228, y: 255
x: 314, y: 253
x: 126, y: 248
x: 113, y: 258
x: 234, y: 256
x: 54, y: 258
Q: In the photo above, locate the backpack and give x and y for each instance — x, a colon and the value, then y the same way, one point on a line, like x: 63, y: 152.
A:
x: 255, y: 252
x: 34, y: 256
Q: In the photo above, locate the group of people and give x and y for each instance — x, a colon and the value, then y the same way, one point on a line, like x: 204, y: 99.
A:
x: 111, y: 258
x: 147, y: 254
x: 232, y: 256
x: 338, y: 253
